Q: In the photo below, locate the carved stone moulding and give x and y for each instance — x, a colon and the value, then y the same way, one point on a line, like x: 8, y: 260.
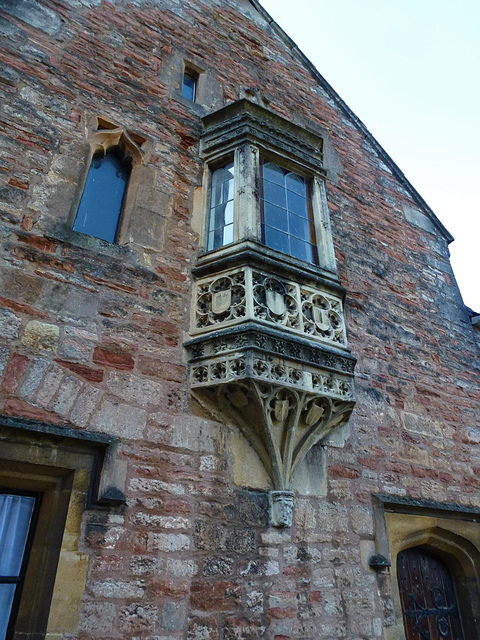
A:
x: 249, y: 294
x: 251, y: 365
x: 268, y: 343
x: 244, y: 121
x: 284, y: 393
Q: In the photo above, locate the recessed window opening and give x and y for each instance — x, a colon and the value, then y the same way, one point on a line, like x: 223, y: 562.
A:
x: 103, y: 195
x: 189, y: 87
x: 220, y: 225
x: 17, y: 521
x: 287, y: 215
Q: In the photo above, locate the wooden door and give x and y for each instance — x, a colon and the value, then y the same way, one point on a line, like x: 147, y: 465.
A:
x: 427, y: 592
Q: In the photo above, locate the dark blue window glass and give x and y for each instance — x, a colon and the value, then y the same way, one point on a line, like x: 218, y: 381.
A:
x: 16, y: 513
x: 189, y: 86
x: 101, y: 204
x: 287, y: 214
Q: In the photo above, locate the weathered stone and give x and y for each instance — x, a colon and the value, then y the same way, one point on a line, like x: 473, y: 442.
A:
x: 40, y: 336
x: 9, y: 324
x: 119, y: 419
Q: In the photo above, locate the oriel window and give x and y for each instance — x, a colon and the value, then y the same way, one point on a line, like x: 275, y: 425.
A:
x: 287, y: 215
x: 16, y: 528
x: 220, y: 224
x: 103, y: 196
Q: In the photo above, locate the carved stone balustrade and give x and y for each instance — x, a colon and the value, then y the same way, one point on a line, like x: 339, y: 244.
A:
x: 239, y: 295
x: 269, y: 354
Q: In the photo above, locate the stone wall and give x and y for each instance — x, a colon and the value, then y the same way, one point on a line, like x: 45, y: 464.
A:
x: 92, y: 333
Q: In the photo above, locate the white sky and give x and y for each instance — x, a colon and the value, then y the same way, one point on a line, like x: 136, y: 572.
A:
x: 410, y: 70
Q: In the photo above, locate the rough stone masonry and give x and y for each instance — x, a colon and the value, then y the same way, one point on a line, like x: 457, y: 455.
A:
x: 92, y: 339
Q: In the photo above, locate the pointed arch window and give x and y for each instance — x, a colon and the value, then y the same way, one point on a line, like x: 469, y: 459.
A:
x: 103, y: 195
x: 116, y: 155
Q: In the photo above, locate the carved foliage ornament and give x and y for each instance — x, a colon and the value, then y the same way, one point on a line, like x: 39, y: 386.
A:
x: 270, y: 370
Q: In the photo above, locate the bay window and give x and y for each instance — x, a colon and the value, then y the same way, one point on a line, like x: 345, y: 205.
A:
x: 265, y: 185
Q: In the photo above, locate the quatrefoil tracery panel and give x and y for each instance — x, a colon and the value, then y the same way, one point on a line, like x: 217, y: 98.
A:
x: 246, y: 294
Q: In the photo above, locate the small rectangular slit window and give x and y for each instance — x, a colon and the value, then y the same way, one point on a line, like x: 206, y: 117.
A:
x: 220, y: 224
x: 189, y: 88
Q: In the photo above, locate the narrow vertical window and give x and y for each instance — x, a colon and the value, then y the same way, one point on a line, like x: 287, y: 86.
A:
x: 287, y: 214
x: 220, y: 226
x: 103, y: 195
x: 189, y: 88
x: 16, y: 517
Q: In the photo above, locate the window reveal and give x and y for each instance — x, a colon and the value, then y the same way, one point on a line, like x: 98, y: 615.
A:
x: 16, y: 527
x: 287, y: 215
x: 103, y: 195
x: 220, y: 226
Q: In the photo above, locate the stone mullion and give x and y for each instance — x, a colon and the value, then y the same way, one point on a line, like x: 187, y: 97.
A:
x: 326, y: 251
x: 249, y: 293
x: 246, y: 197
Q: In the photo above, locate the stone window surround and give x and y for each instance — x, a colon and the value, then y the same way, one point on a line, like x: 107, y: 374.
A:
x: 448, y: 530
x: 103, y: 134
x: 246, y: 133
x: 199, y: 73
x: 73, y: 471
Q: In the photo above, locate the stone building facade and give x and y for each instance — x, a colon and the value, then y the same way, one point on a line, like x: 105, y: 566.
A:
x: 227, y: 428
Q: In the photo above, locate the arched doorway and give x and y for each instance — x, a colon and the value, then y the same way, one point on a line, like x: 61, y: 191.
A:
x: 427, y: 592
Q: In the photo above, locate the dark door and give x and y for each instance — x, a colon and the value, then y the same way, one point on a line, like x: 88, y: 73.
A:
x: 429, y: 603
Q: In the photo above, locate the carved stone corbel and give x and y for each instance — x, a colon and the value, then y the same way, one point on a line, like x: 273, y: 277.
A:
x: 282, y: 425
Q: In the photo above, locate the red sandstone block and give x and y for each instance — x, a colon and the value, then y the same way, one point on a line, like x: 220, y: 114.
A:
x: 315, y: 596
x: 27, y: 223
x: 108, y: 283
x: 398, y: 467
x: 280, y: 613
x: 172, y: 273
x: 340, y: 471
x: 370, y: 463
x: 32, y: 255
x: 421, y: 472
x: 18, y: 184
x: 169, y: 588
x: 106, y: 358
x: 21, y: 307
x: 40, y: 243
x: 161, y: 369
x: 215, y: 596
x: 21, y: 409
x: 15, y: 370
x: 176, y: 507
x: 84, y: 371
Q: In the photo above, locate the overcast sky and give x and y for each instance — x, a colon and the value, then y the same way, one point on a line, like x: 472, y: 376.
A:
x: 410, y: 70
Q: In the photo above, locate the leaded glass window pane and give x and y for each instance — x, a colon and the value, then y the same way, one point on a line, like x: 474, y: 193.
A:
x: 15, y: 519
x: 220, y: 223
x: 287, y: 214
